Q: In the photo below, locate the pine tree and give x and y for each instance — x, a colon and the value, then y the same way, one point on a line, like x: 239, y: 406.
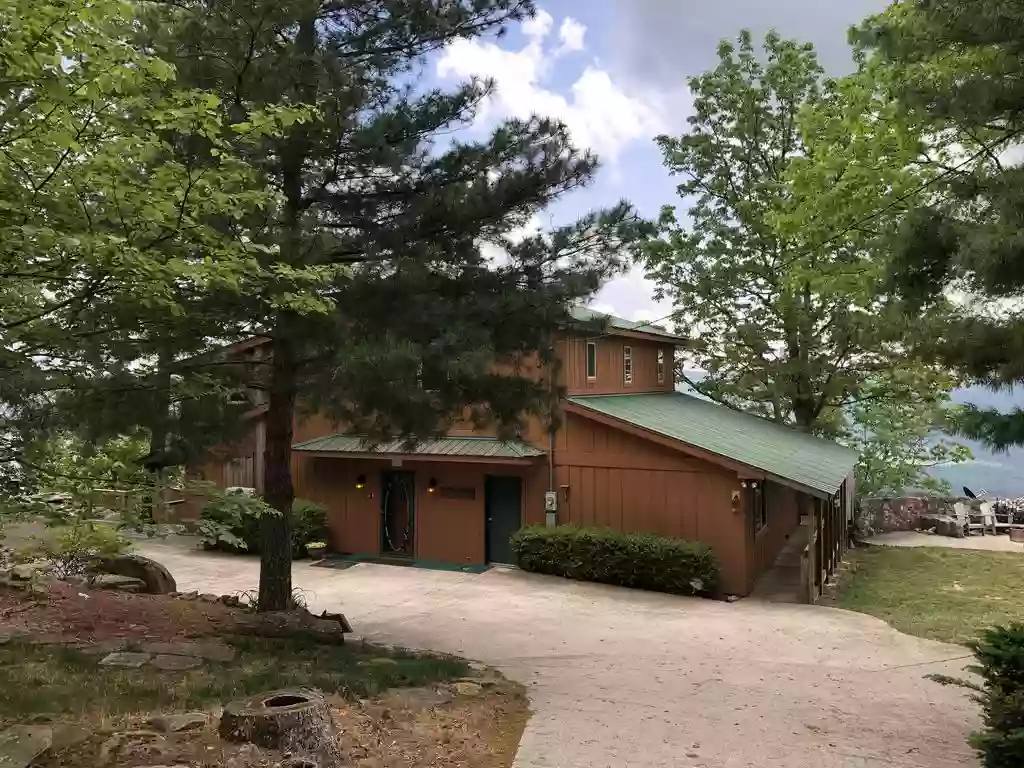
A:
x: 387, y: 210
x: 959, y: 66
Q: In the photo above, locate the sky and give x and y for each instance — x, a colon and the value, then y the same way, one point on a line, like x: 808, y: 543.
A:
x: 615, y: 72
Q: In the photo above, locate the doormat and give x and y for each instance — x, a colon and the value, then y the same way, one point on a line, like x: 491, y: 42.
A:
x: 347, y: 561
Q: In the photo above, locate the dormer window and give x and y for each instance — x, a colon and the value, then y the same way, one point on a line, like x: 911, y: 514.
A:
x: 591, y: 360
x: 661, y: 366
x: 627, y: 365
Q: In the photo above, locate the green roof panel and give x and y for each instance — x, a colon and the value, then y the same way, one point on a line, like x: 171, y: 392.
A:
x: 773, y: 448
x: 474, y: 447
x: 584, y: 315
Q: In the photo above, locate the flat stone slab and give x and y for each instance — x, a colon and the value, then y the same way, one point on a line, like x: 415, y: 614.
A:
x: 21, y: 744
x: 124, y: 659
x: 169, y: 663
x: 210, y: 650
x: 174, y: 723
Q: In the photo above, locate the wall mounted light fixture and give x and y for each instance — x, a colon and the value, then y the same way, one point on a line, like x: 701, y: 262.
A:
x: 432, y: 485
x: 361, y: 482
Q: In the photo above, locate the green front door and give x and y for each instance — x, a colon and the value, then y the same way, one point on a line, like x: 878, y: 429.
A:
x: 503, y: 503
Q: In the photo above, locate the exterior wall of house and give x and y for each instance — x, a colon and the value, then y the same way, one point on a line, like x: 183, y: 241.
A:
x: 609, y: 477
x: 572, y: 351
x: 783, y: 507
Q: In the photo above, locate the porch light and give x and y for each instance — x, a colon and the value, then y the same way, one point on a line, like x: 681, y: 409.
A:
x: 432, y: 485
x: 361, y: 482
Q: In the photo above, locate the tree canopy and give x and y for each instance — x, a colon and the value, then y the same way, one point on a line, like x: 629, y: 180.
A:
x: 957, y: 68
x: 777, y: 269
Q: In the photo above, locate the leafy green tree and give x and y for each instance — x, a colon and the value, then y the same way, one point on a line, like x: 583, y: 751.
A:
x: 898, y: 443
x: 780, y: 293
x: 957, y: 67
x: 109, y: 224
x: 382, y: 201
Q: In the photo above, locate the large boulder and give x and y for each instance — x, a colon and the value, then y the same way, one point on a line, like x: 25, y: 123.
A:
x: 157, y: 578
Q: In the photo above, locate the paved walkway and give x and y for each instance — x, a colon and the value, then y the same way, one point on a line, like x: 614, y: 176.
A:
x: 1000, y: 543
x: 623, y: 679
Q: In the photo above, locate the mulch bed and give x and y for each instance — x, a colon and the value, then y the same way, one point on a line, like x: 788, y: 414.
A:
x: 96, y: 615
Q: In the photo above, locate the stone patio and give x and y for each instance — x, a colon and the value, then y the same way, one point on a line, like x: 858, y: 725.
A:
x: 1000, y: 543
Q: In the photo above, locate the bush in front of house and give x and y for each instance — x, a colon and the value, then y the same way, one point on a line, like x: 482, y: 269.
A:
x: 638, y: 560
x: 1000, y: 665
x: 229, y: 522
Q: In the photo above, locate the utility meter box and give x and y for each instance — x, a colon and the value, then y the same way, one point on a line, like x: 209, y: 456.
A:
x: 551, y: 501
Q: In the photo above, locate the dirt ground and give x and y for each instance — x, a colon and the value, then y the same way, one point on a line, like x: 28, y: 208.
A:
x: 406, y: 728
x: 451, y: 714
x: 96, y: 615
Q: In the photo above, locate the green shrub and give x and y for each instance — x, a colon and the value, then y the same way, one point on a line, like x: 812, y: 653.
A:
x: 71, y: 549
x: 230, y: 522
x: 309, y: 524
x: 638, y: 560
x: 1000, y: 655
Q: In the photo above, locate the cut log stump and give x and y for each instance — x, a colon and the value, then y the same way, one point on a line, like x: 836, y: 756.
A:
x: 296, y: 721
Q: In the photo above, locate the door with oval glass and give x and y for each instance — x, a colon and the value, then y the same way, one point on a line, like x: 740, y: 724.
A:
x: 503, y: 505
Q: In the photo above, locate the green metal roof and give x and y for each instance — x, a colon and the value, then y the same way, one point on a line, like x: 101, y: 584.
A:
x: 475, y: 447
x: 773, y: 448
x: 584, y: 315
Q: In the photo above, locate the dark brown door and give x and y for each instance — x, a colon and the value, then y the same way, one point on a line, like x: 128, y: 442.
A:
x: 503, y: 503
x: 398, y: 509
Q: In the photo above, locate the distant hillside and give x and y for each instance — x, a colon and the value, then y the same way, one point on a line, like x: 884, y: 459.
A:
x: 1000, y: 474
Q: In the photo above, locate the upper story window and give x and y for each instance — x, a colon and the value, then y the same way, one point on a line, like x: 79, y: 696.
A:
x: 661, y: 366
x: 591, y: 360
x: 627, y: 365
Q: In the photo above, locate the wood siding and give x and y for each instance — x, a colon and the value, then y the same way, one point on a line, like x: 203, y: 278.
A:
x: 572, y: 351
x: 609, y: 477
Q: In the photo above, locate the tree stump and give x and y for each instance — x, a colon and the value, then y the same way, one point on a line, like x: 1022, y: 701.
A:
x: 296, y: 721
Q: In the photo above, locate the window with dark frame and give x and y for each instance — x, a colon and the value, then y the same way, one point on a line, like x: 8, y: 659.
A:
x: 627, y: 365
x: 591, y: 360
x: 661, y: 366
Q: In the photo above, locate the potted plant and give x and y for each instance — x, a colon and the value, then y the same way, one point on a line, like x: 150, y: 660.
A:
x: 316, y: 549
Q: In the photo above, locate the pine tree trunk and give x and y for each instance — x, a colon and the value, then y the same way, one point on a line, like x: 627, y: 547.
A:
x: 275, y: 530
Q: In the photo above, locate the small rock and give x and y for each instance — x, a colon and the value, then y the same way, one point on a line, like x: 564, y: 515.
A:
x: 66, y: 735
x: 206, y: 597
x: 189, y: 595
x: 169, y: 663
x: 465, y: 688
x: 120, y: 583
x: 23, y: 572
x: 21, y: 744
x: 178, y: 722
x: 124, y: 659
x: 731, y: 598
x: 381, y: 661
x: 209, y: 650
x: 476, y: 666
x: 77, y: 580
x: 104, y: 647
x: 115, y: 742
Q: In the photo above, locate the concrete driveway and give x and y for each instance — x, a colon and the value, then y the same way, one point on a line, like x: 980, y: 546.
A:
x: 624, y: 678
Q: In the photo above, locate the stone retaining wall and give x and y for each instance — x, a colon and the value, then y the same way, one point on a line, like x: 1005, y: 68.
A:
x: 885, y: 515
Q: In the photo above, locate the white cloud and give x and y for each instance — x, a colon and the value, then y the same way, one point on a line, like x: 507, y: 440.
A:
x: 571, y: 34
x: 539, y: 26
x: 599, y: 113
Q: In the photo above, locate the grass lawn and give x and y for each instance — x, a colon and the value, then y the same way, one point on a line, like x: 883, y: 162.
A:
x: 942, y: 594
x: 63, y: 682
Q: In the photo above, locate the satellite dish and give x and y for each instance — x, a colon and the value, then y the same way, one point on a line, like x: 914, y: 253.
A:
x: 969, y: 493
